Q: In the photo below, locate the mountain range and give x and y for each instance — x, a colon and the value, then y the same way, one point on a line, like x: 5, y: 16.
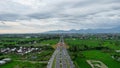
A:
x: 112, y: 30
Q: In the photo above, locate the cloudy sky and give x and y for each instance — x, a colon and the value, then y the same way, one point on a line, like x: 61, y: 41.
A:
x: 34, y: 16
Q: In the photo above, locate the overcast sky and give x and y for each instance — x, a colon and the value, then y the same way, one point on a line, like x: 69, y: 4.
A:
x: 34, y: 16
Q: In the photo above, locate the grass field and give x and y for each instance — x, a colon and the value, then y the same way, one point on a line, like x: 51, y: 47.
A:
x: 93, y: 43
x: 21, y: 64
x: 20, y: 61
x: 50, y: 42
x: 80, y: 42
x: 94, y: 54
x: 24, y: 61
x: 80, y: 61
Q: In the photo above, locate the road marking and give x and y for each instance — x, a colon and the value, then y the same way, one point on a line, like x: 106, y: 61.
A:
x: 60, y: 57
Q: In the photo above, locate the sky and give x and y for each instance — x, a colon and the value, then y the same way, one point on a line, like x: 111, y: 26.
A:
x: 36, y: 16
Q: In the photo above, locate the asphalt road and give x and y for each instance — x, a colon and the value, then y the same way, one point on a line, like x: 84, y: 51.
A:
x: 60, y: 57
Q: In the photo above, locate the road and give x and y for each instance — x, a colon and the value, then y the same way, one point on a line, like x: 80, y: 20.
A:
x: 60, y: 57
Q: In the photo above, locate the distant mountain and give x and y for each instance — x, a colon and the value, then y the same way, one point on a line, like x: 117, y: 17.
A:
x: 112, y: 30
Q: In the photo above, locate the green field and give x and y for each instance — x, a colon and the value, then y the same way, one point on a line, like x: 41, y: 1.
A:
x: 82, y: 50
x: 22, y: 64
x: 50, y: 42
x: 96, y: 55
x: 113, y: 44
x: 27, y: 60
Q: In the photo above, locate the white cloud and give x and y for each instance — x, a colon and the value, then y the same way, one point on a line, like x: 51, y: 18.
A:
x: 45, y: 15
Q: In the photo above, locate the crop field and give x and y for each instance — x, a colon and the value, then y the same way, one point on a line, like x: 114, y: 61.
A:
x: 50, y: 42
x: 96, y: 55
x: 113, y: 44
x: 30, y: 60
x: 79, y: 49
x: 82, y: 50
x: 21, y: 64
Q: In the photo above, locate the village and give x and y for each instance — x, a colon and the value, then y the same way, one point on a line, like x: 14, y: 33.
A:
x: 17, y: 50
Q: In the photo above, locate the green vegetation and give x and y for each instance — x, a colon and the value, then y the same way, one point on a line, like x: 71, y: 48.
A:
x: 80, y: 58
x: 100, y: 47
x: 87, y: 49
x: 30, y: 60
x: 22, y: 64
x: 104, y: 57
x: 50, y: 42
x: 10, y: 42
x: 41, y: 56
x: 112, y: 44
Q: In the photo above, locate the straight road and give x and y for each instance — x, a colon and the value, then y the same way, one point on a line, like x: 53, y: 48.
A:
x: 60, y: 57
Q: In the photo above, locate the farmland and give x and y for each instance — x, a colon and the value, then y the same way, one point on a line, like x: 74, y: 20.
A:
x: 35, y: 52
x: 82, y: 50
x: 21, y: 64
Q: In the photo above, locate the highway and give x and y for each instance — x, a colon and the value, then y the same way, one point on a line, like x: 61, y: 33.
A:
x: 60, y: 57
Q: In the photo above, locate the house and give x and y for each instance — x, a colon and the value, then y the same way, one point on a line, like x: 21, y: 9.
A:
x: 7, y: 59
x: 2, y: 62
